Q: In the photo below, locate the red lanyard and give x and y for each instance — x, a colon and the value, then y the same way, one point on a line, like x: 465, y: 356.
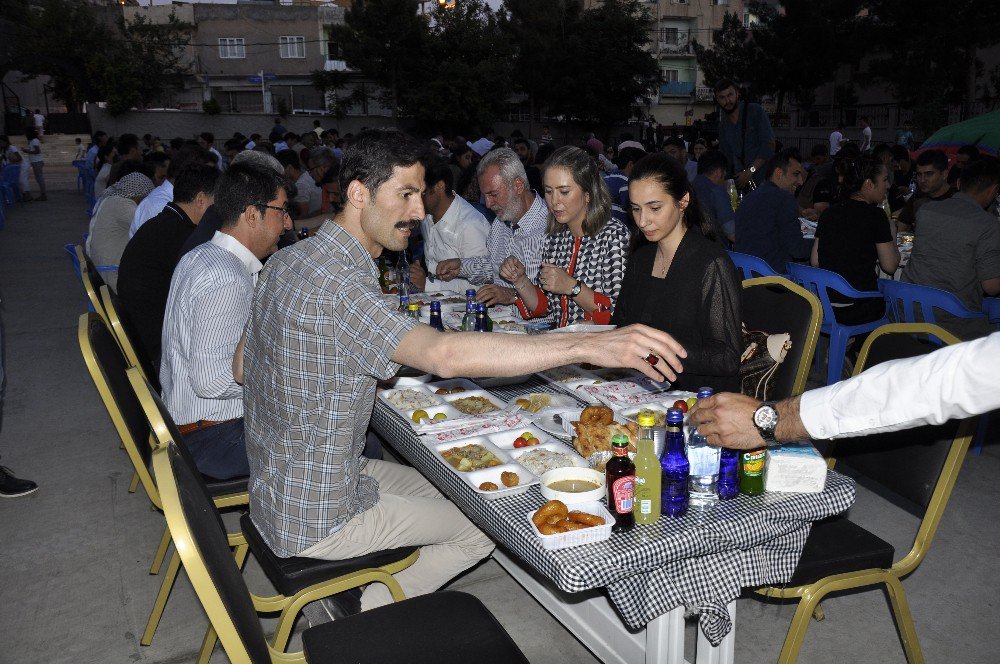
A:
x: 564, y: 299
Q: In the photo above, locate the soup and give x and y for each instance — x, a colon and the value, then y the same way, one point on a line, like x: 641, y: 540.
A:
x: 573, y: 486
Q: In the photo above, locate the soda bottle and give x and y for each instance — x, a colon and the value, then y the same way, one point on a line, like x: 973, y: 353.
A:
x: 480, y: 318
x: 436, y: 322
x: 404, y: 302
x: 751, y: 467
x: 729, y: 474
x: 469, y: 320
x: 620, y: 474
x: 413, y: 310
x: 403, y: 273
x: 704, y: 460
x: 674, y: 467
x: 647, y: 472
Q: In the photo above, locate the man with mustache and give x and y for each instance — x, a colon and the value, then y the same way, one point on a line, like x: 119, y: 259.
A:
x: 745, y: 135
x: 321, y: 335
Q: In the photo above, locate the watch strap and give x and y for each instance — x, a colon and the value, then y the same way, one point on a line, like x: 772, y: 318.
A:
x: 576, y: 288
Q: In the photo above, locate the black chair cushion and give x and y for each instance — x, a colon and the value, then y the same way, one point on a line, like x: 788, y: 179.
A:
x: 225, y: 487
x: 290, y: 575
x: 837, y: 545
x: 441, y: 627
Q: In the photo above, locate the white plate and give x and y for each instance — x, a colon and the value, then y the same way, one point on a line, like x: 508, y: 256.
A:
x: 575, y: 459
x: 451, y: 383
x: 505, y: 439
x: 418, y: 391
x: 499, y: 403
x: 477, y: 477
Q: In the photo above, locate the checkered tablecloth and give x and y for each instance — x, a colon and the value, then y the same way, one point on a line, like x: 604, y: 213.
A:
x: 701, y: 561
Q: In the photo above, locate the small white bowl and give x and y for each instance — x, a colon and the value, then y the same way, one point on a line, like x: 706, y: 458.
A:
x: 586, y: 474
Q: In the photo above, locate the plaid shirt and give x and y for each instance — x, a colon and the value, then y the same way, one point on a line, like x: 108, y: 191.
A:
x: 319, y: 337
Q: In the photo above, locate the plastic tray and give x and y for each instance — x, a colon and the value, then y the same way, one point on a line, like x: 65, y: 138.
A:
x: 577, y: 537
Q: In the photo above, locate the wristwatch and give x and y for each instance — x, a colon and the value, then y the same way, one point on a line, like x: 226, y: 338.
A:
x: 752, y: 169
x: 573, y: 292
x: 765, y: 418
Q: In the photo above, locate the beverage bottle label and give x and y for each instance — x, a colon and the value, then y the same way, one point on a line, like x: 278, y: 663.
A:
x: 753, y: 463
x: 623, y: 491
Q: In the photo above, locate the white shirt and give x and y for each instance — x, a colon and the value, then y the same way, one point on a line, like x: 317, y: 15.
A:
x: 35, y: 157
x: 152, y: 205
x: 460, y: 233
x: 835, y: 139
x: 209, y: 305
x: 307, y: 191
x: 954, y: 382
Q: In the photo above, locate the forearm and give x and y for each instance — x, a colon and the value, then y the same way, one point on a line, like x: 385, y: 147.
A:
x: 528, y: 294
x: 476, y: 269
x: 790, y: 425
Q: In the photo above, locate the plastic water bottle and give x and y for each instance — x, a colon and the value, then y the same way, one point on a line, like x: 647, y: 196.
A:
x: 674, y: 467
x: 469, y: 320
x: 413, y: 311
x: 403, y: 273
x: 704, y: 460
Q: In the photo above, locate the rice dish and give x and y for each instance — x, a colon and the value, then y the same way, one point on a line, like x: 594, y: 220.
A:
x: 411, y: 399
x: 541, y: 461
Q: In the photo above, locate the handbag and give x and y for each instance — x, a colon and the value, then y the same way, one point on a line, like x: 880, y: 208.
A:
x: 762, y: 356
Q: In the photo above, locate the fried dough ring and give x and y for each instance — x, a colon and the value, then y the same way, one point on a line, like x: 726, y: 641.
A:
x: 549, y: 509
x: 585, y: 519
x: 568, y: 525
x: 597, y: 415
x: 548, y: 529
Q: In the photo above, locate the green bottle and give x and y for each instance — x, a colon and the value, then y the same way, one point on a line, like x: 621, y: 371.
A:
x: 751, y: 466
x: 647, y: 472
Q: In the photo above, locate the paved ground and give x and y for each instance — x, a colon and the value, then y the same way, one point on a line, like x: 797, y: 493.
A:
x: 74, y: 556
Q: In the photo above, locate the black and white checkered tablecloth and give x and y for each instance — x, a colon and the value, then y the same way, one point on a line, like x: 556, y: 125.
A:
x: 701, y: 561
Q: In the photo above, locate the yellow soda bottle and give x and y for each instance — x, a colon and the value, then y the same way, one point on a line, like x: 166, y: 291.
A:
x: 647, y: 472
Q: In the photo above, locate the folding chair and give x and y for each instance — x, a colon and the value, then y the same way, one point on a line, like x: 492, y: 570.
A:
x: 122, y: 329
x: 430, y: 629
x: 919, y: 465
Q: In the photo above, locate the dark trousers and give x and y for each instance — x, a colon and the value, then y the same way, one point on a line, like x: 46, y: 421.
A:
x: 220, y: 451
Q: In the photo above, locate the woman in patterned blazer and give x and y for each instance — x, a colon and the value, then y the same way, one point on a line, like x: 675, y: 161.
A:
x: 681, y: 280
x: 584, y: 261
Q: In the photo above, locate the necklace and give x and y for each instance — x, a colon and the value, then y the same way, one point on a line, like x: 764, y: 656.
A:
x: 665, y: 265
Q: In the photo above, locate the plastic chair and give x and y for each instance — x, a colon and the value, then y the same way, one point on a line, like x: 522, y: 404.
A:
x: 778, y: 305
x: 821, y: 282
x: 752, y: 266
x: 10, y: 184
x: 298, y: 581
x: 918, y: 465
x: 904, y: 299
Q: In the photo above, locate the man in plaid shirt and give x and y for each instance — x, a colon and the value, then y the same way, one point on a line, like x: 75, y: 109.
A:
x: 320, y: 335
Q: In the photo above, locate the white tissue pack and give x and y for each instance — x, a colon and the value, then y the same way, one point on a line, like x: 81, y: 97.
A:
x: 795, y: 467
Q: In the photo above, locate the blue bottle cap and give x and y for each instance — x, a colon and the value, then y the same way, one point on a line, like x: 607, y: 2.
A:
x: 436, y: 305
x: 675, y: 416
x: 471, y: 292
x: 705, y: 392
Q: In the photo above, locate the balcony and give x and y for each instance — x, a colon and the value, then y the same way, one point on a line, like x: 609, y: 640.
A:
x: 676, y: 89
x: 335, y: 65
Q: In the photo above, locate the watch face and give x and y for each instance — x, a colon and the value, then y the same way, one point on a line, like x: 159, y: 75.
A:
x: 765, y: 417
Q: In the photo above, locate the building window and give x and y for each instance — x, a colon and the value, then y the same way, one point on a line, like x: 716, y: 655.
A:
x: 292, y: 47
x: 720, y: 2
x: 670, y: 75
x: 333, y: 51
x: 668, y: 35
x: 232, y: 47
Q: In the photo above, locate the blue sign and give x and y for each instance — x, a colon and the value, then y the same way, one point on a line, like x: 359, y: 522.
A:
x: 257, y: 79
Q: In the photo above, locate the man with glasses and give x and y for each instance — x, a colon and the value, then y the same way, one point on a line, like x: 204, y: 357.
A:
x: 207, y: 310
x: 932, y: 183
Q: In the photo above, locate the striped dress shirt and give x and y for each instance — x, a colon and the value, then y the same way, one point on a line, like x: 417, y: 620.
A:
x: 524, y: 239
x: 207, y: 309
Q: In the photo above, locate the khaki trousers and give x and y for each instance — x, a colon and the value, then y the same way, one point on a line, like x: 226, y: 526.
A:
x: 410, y: 512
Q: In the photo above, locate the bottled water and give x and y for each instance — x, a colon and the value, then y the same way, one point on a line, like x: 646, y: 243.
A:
x: 704, y: 460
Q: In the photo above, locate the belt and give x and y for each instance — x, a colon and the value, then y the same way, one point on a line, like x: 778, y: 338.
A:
x: 185, y: 429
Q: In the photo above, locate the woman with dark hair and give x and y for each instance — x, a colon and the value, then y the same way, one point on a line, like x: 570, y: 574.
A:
x: 584, y: 261
x: 854, y: 233
x: 681, y: 280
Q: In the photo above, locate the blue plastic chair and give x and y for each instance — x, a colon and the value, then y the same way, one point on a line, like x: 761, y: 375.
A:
x: 991, y: 308
x: 752, y: 266
x: 903, y: 299
x: 10, y: 184
x: 821, y: 282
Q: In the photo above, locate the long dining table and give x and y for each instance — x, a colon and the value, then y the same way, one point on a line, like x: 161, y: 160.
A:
x: 626, y: 598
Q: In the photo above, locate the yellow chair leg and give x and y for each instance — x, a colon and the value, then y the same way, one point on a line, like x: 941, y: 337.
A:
x: 161, y: 599
x: 207, y: 645
x: 135, y: 482
x: 797, y: 630
x: 161, y: 552
x: 904, y: 621
x: 818, y: 614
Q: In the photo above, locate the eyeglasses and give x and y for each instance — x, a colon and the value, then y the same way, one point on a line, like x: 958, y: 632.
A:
x: 284, y: 210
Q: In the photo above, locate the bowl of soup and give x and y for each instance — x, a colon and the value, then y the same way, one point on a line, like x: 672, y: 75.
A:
x: 573, y: 485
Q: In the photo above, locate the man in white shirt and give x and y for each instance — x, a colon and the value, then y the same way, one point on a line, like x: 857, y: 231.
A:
x: 836, y: 140
x: 308, y: 195
x: 451, y: 229
x: 954, y: 382
x: 211, y: 293
x: 866, y: 135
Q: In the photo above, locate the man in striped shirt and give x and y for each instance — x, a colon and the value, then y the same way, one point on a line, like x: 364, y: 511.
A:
x: 208, y: 307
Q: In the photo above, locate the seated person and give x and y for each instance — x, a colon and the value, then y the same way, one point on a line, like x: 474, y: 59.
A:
x: 617, y: 180
x: 682, y: 281
x: 931, y: 173
x: 713, y: 199
x: 207, y: 311
x: 309, y: 197
x: 518, y: 230
x: 112, y: 216
x: 816, y: 193
x: 855, y: 233
x: 151, y: 255
x: 767, y: 221
x: 451, y: 229
x: 584, y: 260
x: 956, y: 246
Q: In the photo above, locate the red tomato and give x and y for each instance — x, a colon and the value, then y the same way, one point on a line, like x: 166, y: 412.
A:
x: 520, y: 442
x: 682, y: 405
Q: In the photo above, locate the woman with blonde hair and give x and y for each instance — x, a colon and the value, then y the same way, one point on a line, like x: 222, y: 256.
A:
x: 584, y: 260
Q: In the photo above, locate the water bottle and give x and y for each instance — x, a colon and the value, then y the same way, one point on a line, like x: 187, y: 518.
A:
x: 704, y: 460
x: 436, y: 321
x: 469, y: 320
x: 413, y: 311
x: 404, y: 302
x: 403, y: 273
x: 674, y: 467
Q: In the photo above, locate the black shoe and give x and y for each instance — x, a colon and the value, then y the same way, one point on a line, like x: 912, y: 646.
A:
x: 13, y: 487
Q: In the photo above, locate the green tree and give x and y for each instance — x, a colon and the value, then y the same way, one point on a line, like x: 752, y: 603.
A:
x: 386, y: 40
